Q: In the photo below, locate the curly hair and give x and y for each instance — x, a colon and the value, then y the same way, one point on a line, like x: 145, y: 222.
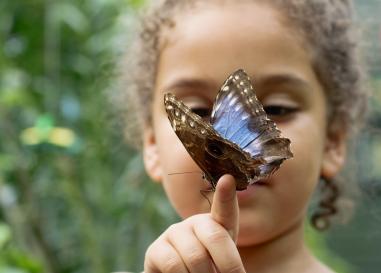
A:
x: 327, y: 28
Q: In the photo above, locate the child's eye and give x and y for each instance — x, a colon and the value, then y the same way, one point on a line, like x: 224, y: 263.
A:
x: 279, y: 111
x: 203, y: 112
x: 199, y: 106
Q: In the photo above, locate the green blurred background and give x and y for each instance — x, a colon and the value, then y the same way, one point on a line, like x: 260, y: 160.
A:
x: 73, y: 196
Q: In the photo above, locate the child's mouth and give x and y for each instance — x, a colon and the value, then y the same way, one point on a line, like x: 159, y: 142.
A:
x: 251, y: 191
x: 259, y: 183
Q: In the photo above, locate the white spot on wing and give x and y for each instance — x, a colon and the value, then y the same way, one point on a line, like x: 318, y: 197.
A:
x: 218, y: 105
x: 245, y: 117
x: 232, y: 101
x: 239, y: 106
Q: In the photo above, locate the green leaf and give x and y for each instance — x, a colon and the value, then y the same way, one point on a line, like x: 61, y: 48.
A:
x: 5, y: 235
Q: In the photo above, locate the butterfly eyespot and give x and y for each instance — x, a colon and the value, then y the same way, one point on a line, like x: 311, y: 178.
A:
x: 215, y: 150
x: 203, y: 131
x: 191, y: 123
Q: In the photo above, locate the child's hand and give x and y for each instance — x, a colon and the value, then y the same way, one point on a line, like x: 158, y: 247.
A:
x: 202, y: 243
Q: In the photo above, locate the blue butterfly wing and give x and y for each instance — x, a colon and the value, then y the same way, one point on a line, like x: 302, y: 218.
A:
x: 239, y: 117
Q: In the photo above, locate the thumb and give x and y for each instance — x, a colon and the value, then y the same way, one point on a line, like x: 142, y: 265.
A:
x: 225, y: 209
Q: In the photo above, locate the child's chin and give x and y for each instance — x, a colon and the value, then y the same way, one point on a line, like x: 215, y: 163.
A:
x: 250, y: 240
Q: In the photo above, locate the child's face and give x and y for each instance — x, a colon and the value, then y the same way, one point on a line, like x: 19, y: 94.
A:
x: 198, y: 54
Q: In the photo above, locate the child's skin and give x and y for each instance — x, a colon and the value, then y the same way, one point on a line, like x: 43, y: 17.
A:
x: 260, y: 229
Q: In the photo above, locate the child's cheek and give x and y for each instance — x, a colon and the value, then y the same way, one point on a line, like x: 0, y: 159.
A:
x: 307, y: 144
x: 182, y: 179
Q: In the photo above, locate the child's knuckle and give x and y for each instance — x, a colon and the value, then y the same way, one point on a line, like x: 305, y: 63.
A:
x: 197, y: 257
x: 195, y: 219
x: 150, y: 251
x: 217, y: 235
x: 172, y: 264
x: 173, y: 228
x: 234, y: 268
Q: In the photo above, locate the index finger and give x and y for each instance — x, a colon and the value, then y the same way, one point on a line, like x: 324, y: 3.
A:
x: 225, y: 209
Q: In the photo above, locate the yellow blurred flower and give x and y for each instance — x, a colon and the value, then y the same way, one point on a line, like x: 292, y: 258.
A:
x: 62, y: 137
x: 58, y: 136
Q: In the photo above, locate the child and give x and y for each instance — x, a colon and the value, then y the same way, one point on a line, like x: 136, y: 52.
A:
x: 303, y: 61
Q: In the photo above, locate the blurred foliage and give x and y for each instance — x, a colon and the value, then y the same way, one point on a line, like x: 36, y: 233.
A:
x: 73, y: 197
x: 64, y: 199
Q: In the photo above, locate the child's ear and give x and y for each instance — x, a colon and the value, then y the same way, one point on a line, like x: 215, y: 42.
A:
x: 151, y: 156
x: 334, y: 154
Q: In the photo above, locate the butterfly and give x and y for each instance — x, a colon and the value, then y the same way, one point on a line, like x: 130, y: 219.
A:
x: 239, y: 138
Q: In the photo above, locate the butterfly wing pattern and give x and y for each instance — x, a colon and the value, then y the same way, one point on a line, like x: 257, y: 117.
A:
x: 240, y: 139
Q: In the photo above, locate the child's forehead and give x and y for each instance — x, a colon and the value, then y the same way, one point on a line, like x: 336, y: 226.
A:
x: 242, y: 22
x: 231, y: 15
x: 199, y: 52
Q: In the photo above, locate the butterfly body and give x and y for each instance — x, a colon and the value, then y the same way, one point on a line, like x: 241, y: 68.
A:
x: 239, y: 140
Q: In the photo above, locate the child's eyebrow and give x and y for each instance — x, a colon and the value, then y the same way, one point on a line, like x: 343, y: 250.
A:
x: 204, y: 84
x: 277, y: 79
x: 188, y: 83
